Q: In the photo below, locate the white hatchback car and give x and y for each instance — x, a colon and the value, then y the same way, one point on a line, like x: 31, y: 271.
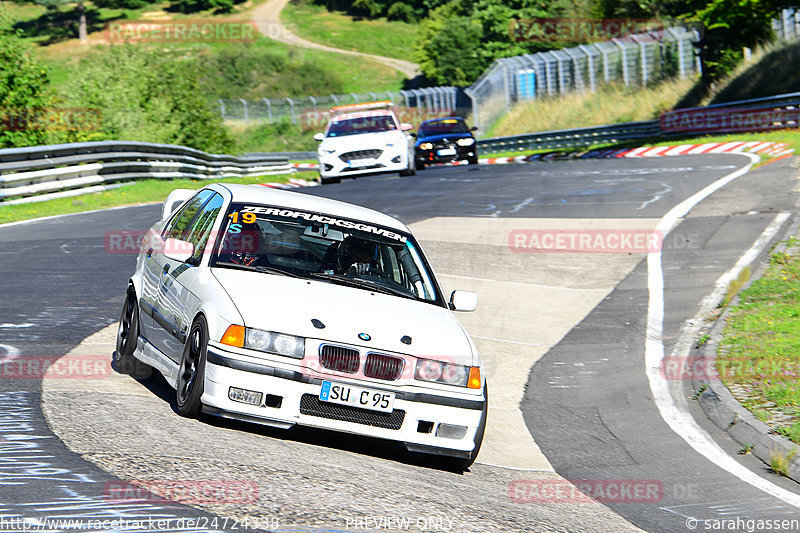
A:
x: 364, y: 139
x: 282, y: 308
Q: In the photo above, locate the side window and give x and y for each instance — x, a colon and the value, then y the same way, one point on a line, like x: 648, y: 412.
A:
x: 199, y: 233
x: 178, y: 226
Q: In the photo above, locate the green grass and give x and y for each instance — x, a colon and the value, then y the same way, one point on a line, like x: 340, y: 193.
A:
x: 761, y: 343
x: 612, y: 104
x: 140, y: 192
x: 335, y: 73
x: 339, y: 30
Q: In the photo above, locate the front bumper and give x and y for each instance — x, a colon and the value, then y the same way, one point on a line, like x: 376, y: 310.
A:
x: 432, y: 156
x: 333, y: 166
x: 292, y: 397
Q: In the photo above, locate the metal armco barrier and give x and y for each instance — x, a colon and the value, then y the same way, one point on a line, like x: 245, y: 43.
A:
x: 577, y: 138
x: 787, y: 104
x: 41, y: 173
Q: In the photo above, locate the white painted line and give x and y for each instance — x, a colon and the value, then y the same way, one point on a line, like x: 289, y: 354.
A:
x: 680, y: 421
x: 10, y: 354
x: 25, y: 325
x: 511, y: 342
x: 521, y: 283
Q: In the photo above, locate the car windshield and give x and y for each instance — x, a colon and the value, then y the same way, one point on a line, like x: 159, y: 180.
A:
x: 312, y: 245
x: 439, y: 127
x: 364, y: 124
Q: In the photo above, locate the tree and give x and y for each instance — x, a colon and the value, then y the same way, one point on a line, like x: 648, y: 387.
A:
x: 24, y: 90
x: 54, y: 5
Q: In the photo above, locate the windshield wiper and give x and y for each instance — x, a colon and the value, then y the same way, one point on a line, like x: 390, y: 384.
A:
x: 362, y: 283
x: 258, y: 268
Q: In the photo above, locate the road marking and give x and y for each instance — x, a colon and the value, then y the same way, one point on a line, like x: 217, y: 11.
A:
x: 25, y: 325
x: 680, y: 421
x: 10, y: 354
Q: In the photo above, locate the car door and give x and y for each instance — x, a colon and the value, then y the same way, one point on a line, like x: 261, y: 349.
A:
x: 177, y: 302
x: 156, y: 266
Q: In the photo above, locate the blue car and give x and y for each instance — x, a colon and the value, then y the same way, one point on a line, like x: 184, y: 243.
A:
x: 445, y: 140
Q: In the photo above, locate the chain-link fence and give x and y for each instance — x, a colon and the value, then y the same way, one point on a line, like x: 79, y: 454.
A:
x: 313, y: 111
x: 634, y: 60
x: 787, y: 26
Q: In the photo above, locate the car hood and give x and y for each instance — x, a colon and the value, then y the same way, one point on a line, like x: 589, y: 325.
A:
x: 438, y: 138
x: 364, y: 141
x: 287, y: 305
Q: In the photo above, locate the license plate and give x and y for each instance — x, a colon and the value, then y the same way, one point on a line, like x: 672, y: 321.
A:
x: 446, y: 151
x: 357, y: 397
x: 361, y: 162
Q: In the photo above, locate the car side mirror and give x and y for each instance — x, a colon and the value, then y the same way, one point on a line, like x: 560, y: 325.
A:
x: 414, y: 135
x: 405, y: 126
x: 463, y: 301
x: 474, y: 128
x: 319, y: 136
x: 178, y: 250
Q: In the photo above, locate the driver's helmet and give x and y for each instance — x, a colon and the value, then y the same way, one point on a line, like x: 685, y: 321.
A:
x: 354, y: 250
x: 242, y: 248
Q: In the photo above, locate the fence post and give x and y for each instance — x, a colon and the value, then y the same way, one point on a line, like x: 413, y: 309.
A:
x: 291, y: 105
x: 590, y: 60
x: 475, y: 109
x: 313, y: 102
x: 355, y: 98
x: 335, y: 99
x: 246, y: 116
x: 624, y: 59
x: 578, y: 78
x: 221, y: 108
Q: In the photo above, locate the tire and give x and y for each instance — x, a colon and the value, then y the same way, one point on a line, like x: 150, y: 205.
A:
x: 465, y: 463
x: 473, y: 160
x: 326, y: 181
x: 127, y: 337
x: 411, y: 170
x: 420, y: 165
x: 191, y: 373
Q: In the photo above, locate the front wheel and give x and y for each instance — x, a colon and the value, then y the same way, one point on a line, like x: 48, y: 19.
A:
x: 127, y: 337
x: 326, y: 181
x: 191, y: 374
x: 466, y: 462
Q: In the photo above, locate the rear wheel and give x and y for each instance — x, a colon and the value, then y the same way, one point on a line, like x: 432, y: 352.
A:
x: 127, y: 337
x: 419, y: 164
x: 473, y: 160
x: 191, y: 374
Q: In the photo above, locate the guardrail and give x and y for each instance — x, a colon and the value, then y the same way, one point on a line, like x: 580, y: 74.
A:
x: 582, y: 137
x: 577, y: 138
x: 41, y: 173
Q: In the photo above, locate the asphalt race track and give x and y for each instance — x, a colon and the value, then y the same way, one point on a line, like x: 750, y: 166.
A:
x: 582, y: 318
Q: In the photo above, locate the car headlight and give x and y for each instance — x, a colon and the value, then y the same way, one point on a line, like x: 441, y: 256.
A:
x: 265, y: 341
x: 466, y: 141
x: 452, y: 374
x: 426, y: 146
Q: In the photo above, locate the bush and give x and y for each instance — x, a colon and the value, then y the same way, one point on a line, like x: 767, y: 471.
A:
x: 148, y: 95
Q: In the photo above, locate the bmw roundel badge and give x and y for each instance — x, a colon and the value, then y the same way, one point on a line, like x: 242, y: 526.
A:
x: 364, y: 337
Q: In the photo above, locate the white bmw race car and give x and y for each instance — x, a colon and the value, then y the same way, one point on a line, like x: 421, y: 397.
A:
x: 364, y: 139
x: 282, y: 308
